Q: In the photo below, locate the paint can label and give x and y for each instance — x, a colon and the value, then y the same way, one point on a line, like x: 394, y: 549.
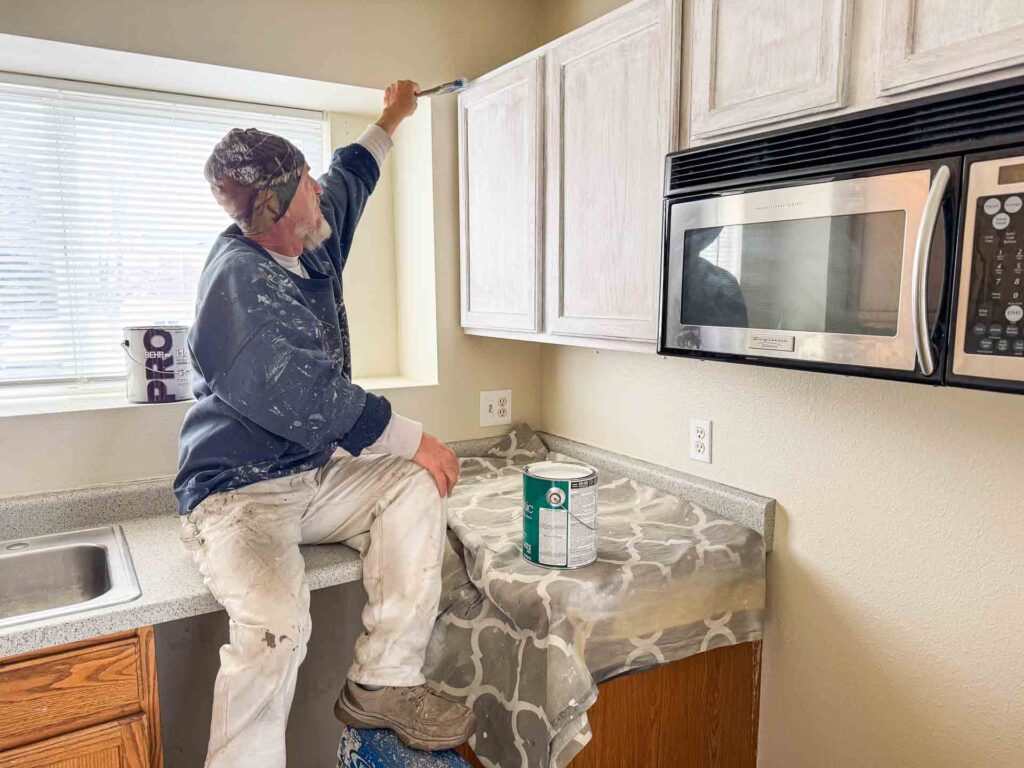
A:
x: 559, y: 514
x: 158, y: 365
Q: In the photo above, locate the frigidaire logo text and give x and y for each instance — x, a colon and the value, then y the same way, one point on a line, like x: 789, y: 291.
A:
x: 776, y: 206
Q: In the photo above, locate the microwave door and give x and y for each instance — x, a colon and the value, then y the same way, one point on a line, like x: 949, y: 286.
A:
x: 816, y: 274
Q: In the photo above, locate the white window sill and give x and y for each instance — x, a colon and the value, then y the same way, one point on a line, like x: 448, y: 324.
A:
x: 31, y: 400
x: 383, y: 383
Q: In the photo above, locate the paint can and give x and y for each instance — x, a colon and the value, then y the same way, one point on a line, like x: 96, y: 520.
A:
x: 158, y: 366
x: 559, y: 514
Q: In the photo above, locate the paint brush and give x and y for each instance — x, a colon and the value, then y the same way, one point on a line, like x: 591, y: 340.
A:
x: 453, y: 87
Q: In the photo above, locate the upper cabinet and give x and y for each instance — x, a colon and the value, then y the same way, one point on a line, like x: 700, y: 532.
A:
x: 611, y: 117
x: 754, y: 64
x: 562, y: 152
x: 577, y: 131
x: 928, y: 42
x: 500, y: 161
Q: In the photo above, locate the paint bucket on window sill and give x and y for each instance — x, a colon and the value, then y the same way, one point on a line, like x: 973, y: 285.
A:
x: 158, y: 366
x: 559, y: 514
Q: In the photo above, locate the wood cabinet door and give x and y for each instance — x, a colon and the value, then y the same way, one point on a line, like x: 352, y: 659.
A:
x: 123, y: 743
x: 66, y: 691
x: 612, y: 115
x: 500, y: 146
x: 755, y: 64
x: 927, y: 42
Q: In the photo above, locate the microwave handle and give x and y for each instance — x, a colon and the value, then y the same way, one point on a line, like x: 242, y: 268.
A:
x: 919, y: 279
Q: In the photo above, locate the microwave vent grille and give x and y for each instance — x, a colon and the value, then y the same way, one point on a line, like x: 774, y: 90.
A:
x: 949, y: 122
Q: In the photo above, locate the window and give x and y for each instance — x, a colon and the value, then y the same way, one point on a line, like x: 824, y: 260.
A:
x: 106, y: 220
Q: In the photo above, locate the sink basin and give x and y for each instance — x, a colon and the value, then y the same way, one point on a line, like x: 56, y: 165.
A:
x: 47, y: 576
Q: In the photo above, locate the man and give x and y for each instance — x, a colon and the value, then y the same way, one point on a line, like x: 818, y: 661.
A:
x: 282, y: 449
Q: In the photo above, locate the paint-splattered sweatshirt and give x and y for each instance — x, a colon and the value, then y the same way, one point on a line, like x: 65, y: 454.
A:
x: 271, y: 358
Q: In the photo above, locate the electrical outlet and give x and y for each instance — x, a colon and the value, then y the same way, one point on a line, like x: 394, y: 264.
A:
x: 700, y: 440
x: 495, y: 407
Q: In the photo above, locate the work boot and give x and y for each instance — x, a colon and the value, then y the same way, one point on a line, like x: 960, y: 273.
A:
x: 421, y: 718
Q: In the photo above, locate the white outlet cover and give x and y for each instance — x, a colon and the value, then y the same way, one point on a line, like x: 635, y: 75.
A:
x: 495, y: 407
x: 700, y: 440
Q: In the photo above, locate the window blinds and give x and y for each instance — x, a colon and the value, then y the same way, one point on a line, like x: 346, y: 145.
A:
x: 106, y: 220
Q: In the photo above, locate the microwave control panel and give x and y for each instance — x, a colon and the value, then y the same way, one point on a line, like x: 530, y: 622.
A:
x: 995, y: 309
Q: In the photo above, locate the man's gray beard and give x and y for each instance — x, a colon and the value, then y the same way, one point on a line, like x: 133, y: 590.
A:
x: 315, y: 237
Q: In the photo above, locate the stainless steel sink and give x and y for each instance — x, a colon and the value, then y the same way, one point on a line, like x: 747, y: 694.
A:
x: 47, y: 576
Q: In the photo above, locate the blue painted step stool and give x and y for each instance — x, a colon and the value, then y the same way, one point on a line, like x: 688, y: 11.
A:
x: 361, y: 748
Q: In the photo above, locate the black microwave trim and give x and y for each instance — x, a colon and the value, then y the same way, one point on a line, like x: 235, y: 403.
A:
x: 944, y: 312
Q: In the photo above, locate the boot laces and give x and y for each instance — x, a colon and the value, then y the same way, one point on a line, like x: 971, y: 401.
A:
x: 418, y: 696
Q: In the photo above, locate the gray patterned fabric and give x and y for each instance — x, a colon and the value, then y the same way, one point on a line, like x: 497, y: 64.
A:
x: 526, y: 646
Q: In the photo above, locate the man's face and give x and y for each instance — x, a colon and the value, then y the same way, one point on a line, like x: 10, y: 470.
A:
x: 304, y: 213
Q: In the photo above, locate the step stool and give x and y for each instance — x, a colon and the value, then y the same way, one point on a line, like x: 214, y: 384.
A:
x: 363, y: 748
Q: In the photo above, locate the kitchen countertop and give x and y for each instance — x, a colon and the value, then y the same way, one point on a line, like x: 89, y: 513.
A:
x: 171, y: 588
x: 171, y: 585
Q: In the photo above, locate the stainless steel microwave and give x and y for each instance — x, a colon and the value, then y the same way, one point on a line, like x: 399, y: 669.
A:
x: 887, y: 243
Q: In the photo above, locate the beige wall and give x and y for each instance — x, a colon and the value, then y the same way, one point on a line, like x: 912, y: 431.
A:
x: 896, y: 588
x: 562, y: 16
x: 346, y: 41
x: 371, y: 295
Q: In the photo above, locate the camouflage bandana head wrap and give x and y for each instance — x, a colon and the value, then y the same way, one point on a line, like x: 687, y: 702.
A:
x: 254, y: 176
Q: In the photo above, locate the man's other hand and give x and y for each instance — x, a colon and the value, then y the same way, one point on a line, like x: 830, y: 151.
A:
x: 439, y: 460
x: 399, y: 103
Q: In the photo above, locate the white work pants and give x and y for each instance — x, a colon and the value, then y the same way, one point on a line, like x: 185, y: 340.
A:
x: 246, y: 544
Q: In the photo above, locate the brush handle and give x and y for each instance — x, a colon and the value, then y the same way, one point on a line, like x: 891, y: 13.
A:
x: 452, y: 87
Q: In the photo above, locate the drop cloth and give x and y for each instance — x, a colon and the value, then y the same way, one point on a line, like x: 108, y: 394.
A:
x: 526, y: 646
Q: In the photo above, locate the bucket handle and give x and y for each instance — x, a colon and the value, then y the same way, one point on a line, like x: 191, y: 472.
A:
x: 124, y: 346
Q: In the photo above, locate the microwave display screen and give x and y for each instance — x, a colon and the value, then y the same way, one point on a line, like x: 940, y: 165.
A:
x: 835, y: 274
x: 1011, y: 174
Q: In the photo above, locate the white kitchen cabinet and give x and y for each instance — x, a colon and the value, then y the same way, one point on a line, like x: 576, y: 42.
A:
x: 500, y: 161
x: 561, y: 159
x: 930, y: 42
x: 754, y: 64
x: 611, y: 118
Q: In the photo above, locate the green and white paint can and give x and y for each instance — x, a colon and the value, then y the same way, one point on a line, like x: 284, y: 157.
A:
x: 559, y: 514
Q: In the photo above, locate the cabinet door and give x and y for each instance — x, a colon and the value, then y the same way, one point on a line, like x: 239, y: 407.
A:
x: 926, y: 42
x: 60, y: 692
x: 500, y: 144
x: 120, y: 744
x: 612, y: 100
x: 755, y: 64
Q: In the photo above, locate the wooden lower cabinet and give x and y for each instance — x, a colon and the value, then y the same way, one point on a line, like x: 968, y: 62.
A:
x: 700, y: 712
x: 120, y: 744
x: 90, y: 704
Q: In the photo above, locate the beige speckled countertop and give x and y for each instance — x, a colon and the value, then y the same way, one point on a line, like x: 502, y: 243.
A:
x: 171, y: 585
x: 171, y: 588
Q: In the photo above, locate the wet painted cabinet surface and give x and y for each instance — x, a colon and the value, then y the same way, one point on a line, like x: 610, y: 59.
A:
x: 750, y: 69
x: 944, y: 41
x: 815, y: 57
x: 611, y: 117
x: 499, y: 172
x: 561, y: 162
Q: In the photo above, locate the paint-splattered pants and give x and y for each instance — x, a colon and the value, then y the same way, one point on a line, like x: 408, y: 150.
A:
x: 246, y: 543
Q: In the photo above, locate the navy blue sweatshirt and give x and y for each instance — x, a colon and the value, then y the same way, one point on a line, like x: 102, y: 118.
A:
x: 271, y: 361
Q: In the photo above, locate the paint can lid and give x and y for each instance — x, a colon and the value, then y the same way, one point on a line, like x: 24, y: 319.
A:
x: 156, y: 326
x: 558, y: 470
